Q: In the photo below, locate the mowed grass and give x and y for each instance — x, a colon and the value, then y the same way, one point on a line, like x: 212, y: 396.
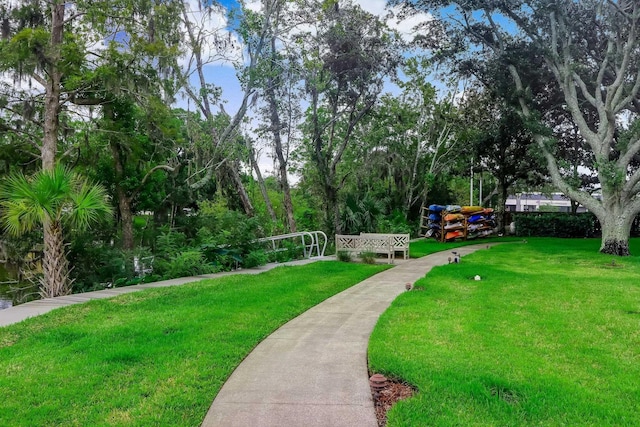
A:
x: 422, y: 247
x: 156, y: 357
x: 549, y: 337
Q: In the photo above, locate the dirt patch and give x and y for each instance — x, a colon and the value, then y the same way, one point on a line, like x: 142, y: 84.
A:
x: 385, y: 399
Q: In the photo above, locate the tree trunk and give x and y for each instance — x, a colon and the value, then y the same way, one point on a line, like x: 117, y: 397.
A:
x: 124, y: 201
x: 276, y: 127
x: 55, y: 265
x: 615, y: 234
x: 502, y: 214
x: 332, y: 210
x: 412, y: 181
x: 263, y: 188
x: 242, y: 191
x: 287, y: 201
x: 126, y: 216
x: 53, y: 89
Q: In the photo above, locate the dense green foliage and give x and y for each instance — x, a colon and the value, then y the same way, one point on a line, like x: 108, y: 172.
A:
x: 361, y: 137
x: 545, y: 224
x: 549, y: 336
x: 155, y: 357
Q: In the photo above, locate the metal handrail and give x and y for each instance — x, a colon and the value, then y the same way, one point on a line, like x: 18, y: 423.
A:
x: 307, y: 248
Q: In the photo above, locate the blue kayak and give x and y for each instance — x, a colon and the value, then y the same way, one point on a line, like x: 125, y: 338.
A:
x: 476, y: 218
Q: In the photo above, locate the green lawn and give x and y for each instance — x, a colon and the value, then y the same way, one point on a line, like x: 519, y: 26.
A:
x: 550, y: 336
x: 156, y: 357
x: 422, y: 247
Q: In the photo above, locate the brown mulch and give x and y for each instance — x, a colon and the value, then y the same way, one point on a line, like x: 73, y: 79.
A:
x: 395, y: 391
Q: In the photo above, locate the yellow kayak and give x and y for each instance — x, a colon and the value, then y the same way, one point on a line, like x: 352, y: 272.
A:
x: 471, y: 209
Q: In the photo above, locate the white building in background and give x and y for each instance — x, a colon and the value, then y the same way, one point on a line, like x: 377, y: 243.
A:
x: 532, y: 202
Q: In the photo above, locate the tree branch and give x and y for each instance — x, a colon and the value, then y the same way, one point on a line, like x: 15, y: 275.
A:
x: 137, y: 190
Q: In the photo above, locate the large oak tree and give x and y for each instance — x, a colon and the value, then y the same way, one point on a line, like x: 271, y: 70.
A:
x: 589, y: 52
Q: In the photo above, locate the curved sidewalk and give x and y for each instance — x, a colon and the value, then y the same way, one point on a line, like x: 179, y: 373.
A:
x: 313, y: 370
x: 21, y: 312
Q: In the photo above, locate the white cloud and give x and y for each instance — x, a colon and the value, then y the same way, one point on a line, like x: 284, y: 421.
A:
x: 254, y: 5
x: 374, y: 7
x: 404, y: 26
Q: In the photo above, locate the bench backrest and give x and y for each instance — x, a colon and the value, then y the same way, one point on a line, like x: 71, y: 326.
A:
x: 363, y: 243
x: 400, y: 241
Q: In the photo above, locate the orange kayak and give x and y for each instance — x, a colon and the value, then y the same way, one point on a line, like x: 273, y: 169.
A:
x: 453, y: 235
x: 453, y: 217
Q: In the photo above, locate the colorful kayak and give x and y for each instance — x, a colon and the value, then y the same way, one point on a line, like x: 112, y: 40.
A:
x: 453, y: 217
x: 434, y: 217
x: 453, y: 208
x: 436, y: 208
x: 453, y: 235
x: 474, y: 227
x: 454, y: 226
x: 476, y: 218
x: 471, y: 209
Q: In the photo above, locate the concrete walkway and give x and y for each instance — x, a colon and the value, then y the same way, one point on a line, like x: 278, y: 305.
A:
x: 310, y: 372
x: 313, y: 370
x: 21, y: 312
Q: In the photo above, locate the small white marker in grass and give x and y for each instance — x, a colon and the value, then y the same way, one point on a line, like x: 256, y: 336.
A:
x: 477, y: 277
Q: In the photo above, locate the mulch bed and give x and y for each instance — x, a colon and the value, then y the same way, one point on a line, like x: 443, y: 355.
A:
x: 383, y: 401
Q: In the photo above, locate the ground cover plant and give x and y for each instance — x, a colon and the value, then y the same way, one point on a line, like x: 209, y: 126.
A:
x: 549, y: 336
x: 156, y: 357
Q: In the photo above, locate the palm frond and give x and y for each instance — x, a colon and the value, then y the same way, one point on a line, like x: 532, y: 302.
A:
x: 58, y: 195
x: 90, y: 205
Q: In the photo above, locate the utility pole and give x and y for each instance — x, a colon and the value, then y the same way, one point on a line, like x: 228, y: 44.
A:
x: 471, y: 186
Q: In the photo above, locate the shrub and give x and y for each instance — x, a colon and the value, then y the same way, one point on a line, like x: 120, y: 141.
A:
x: 255, y: 258
x: 223, y: 258
x: 343, y: 256
x: 288, y: 251
x: 169, y: 242
x: 189, y: 263
x: 96, y: 263
x: 368, y: 257
x: 542, y: 224
x: 395, y: 223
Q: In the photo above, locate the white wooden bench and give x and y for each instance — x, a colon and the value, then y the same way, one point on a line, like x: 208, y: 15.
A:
x: 377, y: 244
x: 399, y: 242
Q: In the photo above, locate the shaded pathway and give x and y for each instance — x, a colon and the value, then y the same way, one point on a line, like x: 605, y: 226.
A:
x: 313, y: 370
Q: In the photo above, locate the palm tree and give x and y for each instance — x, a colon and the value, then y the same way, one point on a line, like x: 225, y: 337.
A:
x: 54, y: 199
